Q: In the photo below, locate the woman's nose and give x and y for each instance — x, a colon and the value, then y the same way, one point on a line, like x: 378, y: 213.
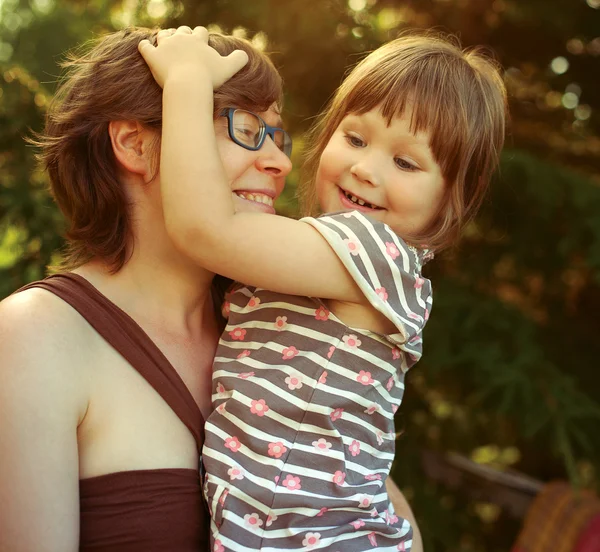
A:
x: 273, y: 160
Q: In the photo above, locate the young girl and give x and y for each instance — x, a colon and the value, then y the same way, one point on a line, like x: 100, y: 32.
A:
x: 310, y: 369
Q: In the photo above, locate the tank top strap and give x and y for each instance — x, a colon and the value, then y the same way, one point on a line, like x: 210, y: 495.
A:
x: 130, y: 341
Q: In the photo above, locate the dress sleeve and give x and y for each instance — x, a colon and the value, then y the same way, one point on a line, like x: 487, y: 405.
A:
x: 386, y: 269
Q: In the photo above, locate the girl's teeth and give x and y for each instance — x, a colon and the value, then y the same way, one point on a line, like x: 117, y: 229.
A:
x: 358, y: 201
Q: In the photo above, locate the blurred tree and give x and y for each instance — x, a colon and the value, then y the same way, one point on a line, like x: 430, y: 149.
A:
x: 508, y: 377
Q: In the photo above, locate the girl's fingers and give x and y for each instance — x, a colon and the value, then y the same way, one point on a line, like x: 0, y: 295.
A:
x: 235, y: 61
x: 184, y: 29
x: 164, y: 33
x: 145, y: 47
x: 201, y: 32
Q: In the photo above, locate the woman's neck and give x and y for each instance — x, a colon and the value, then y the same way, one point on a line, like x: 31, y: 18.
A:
x: 173, y: 295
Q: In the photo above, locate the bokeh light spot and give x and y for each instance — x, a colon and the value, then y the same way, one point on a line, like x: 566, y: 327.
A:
x: 559, y: 65
x: 357, y: 5
x: 570, y: 100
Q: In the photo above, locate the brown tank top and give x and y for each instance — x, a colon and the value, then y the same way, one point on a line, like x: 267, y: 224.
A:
x: 149, y: 510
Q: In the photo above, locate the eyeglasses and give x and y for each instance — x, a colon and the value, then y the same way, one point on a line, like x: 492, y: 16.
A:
x: 249, y: 130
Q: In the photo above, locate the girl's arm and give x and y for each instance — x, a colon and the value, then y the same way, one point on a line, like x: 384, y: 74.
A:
x: 261, y: 250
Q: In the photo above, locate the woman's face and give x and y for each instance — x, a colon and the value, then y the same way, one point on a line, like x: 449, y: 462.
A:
x: 257, y: 177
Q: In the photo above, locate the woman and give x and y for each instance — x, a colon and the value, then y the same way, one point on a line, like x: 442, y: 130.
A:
x: 105, y: 368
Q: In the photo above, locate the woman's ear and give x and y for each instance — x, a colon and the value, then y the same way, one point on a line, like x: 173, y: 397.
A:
x: 132, y: 146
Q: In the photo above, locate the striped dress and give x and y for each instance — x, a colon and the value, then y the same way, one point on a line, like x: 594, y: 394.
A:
x: 301, y: 439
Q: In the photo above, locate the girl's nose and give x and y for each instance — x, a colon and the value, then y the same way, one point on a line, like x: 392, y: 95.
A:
x: 365, y: 172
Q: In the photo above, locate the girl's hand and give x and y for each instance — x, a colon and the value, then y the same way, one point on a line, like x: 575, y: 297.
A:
x: 186, y: 54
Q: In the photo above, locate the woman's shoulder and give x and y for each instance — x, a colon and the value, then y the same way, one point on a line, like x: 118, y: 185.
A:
x: 39, y: 314
x: 41, y: 339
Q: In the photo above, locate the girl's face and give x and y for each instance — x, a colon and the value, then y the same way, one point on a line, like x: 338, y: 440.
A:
x: 386, y: 172
x: 257, y: 177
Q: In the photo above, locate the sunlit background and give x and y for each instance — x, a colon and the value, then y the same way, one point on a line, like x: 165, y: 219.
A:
x: 507, y: 396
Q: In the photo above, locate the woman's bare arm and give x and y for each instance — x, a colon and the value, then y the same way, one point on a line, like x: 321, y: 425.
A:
x: 403, y: 509
x: 41, y: 403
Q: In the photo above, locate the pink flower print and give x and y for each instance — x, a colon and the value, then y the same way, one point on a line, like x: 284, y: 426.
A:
x: 354, y: 448
x: 372, y: 409
x: 259, y: 407
x: 331, y: 351
x: 336, y: 414
x: 373, y: 477
x: 390, y: 383
x: 426, y: 314
x: 390, y: 519
x: 396, y: 353
x: 245, y: 375
x: 252, y: 521
x: 394, y: 408
x: 323, y: 377
x: 419, y: 282
x: 339, y: 477
x: 218, y: 547
x: 322, y: 511
x: 220, y: 388
x: 221, y: 408
x: 280, y: 323
x: 374, y: 512
x: 223, y: 497
x: 351, y: 341
x: 353, y: 246
x: 382, y: 292
x: 237, y: 334
x: 379, y: 436
x: 292, y: 483
x: 289, y: 353
x: 365, y: 501
x: 235, y: 473
x: 226, y: 309
x: 276, y: 479
x: 293, y: 382
x: 372, y: 538
x: 401, y: 547
x: 321, y: 445
x: 233, y: 444
x: 270, y: 519
x: 321, y: 313
x: 392, y: 250
x: 413, y: 316
x: 254, y: 302
x: 245, y: 353
x: 357, y: 524
x: 415, y: 339
x: 277, y: 449
x: 365, y: 378
x: 311, y: 540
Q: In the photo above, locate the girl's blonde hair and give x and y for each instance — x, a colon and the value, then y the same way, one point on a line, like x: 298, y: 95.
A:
x: 456, y: 95
x: 106, y: 81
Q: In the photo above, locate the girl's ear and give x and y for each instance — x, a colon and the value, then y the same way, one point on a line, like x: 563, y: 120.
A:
x: 132, y: 146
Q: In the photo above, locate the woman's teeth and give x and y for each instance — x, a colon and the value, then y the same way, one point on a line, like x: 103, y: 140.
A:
x: 258, y: 198
x: 359, y: 201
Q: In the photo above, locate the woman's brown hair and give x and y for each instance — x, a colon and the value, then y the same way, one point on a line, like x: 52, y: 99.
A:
x: 457, y: 95
x: 107, y: 81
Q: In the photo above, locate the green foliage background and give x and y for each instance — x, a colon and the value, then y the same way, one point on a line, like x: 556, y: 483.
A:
x: 510, y: 375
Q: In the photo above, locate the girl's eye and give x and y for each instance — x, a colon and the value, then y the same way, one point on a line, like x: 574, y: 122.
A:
x: 404, y: 165
x: 354, y: 141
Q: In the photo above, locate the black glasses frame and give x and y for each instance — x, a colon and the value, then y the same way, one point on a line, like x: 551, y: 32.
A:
x: 265, y: 130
